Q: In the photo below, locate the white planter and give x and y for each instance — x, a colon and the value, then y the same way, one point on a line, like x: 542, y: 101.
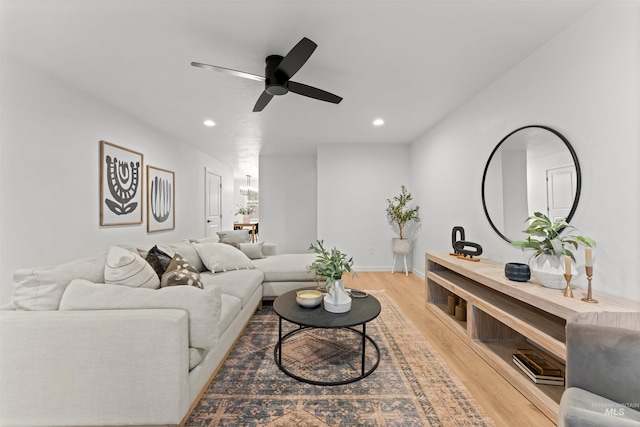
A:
x: 246, y: 219
x: 549, y: 269
x: 337, y: 299
x: 401, y: 246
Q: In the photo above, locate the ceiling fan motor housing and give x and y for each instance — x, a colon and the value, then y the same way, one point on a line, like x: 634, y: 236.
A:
x: 275, y: 81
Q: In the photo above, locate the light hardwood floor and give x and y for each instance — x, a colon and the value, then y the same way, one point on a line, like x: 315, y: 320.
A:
x: 500, y: 400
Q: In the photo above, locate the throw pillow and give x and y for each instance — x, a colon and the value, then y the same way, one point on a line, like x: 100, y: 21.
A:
x: 127, y: 268
x: 222, y: 257
x: 159, y: 260
x: 186, y: 250
x: 252, y: 250
x: 234, y: 237
x: 180, y: 272
x: 41, y: 288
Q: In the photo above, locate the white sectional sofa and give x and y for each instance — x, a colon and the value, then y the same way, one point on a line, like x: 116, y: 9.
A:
x: 75, y: 351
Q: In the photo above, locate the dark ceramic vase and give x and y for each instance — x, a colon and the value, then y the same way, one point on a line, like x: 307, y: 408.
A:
x: 517, y: 272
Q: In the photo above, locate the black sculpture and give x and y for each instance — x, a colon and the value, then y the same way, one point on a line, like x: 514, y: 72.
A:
x: 463, y: 248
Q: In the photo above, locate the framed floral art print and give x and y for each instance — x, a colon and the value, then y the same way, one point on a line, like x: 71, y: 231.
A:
x: 120, y: 185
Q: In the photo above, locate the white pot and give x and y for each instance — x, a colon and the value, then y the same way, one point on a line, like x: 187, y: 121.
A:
x: 246, y: 219
x: 337, y: 299
x: 401, y: 246
x: 549, y: 269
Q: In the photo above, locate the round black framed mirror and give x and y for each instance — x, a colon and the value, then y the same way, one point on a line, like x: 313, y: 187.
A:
x: 532, y: 169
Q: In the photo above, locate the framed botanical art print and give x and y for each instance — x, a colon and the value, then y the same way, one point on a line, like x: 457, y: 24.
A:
x: 161, y: 205
x: 120, y: 185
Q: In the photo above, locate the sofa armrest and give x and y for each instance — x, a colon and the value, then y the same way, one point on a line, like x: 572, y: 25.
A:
x: 107, y: 367
x: 604, y: 361
x: 269, y: 249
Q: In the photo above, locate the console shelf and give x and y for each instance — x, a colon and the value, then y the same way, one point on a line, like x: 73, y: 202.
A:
x: 503, y: 316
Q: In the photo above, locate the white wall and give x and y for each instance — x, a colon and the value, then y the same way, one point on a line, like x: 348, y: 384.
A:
x: 584, y: 83
x: 288, y: 191
x: 49, y: 175
x: 354, y: 181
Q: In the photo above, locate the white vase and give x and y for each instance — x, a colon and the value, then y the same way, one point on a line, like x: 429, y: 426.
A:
x: 246, y: 219
x: 549, y: 269
x: 337, y: 299
x: 401, y: 246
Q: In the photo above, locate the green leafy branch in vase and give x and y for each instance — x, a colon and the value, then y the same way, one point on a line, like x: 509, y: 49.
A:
x: 331, y: 264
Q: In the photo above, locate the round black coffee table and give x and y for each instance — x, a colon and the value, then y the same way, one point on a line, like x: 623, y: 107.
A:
x: 362, y: 311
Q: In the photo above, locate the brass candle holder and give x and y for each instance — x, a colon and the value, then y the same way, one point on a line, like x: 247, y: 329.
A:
x: 589, y: 276
x: 567, y: 291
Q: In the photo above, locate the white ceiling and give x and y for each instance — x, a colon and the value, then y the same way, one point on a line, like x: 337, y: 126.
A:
x: 409, y: 62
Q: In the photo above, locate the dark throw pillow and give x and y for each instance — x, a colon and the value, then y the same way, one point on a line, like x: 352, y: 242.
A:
x: 180, y: 272
x: 159, y: 260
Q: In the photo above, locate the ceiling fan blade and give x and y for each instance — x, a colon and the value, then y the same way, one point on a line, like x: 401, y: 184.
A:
x: 313, y: 92
x: 229, y: 71
x: 296, y: 57
x: 262, y: 101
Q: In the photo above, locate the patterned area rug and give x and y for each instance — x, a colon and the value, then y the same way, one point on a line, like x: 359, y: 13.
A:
x: 412, y: 386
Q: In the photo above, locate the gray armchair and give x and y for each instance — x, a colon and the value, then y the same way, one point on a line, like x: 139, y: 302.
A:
x: 602, y: 377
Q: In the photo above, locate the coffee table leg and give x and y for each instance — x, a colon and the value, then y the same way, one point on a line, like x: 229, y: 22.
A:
x: 364, y: 344
x: 280, y: 341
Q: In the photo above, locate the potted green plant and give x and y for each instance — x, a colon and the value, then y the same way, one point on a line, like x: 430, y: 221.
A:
x: 332, y: 265
x: 398, y: 215
x: 550, y: 241
x: 246, y: 212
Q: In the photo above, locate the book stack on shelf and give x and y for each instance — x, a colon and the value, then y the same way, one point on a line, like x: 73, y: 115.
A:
x: 537, y: 368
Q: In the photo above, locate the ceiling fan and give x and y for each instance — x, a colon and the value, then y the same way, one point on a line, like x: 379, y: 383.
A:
x: 278, y: 71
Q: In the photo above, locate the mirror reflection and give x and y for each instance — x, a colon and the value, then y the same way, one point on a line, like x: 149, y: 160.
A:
x: 533, y: 169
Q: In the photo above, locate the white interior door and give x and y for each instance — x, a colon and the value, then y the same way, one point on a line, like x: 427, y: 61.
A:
x: 561, y: 190
x: 213, y: 203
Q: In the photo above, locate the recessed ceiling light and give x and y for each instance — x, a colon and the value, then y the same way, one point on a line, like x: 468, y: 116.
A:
x: 209, y: 123
x: 378, y: 122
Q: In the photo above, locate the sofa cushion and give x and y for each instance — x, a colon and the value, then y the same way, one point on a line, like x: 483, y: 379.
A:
x: 203, y: 305
x: 128, y: 268
x: 252, y: 250
x: 231, y: 307
x: 41, y: 288
x: 239, y: 283
x: 222, y: 257
x: 188, y: 252
x: 180, y: 272
x: 158, y: 259
x: 286, y: 267
x: 234, y: 237
x: 579, y: 408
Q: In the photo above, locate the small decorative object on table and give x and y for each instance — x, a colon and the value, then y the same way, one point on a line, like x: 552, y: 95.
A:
x: 589, y: 258
x: 463, y: 248
x: 549, y: 241
x: 309, y: 298
x: 332, y: 265
x: 517, y: 271
x: 567, y: 276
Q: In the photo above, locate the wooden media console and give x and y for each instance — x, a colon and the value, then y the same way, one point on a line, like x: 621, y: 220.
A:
x: 503, y: 316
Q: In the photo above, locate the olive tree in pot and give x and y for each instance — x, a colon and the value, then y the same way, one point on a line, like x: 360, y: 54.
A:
x: 549, y: 241
x: 399, y: 214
